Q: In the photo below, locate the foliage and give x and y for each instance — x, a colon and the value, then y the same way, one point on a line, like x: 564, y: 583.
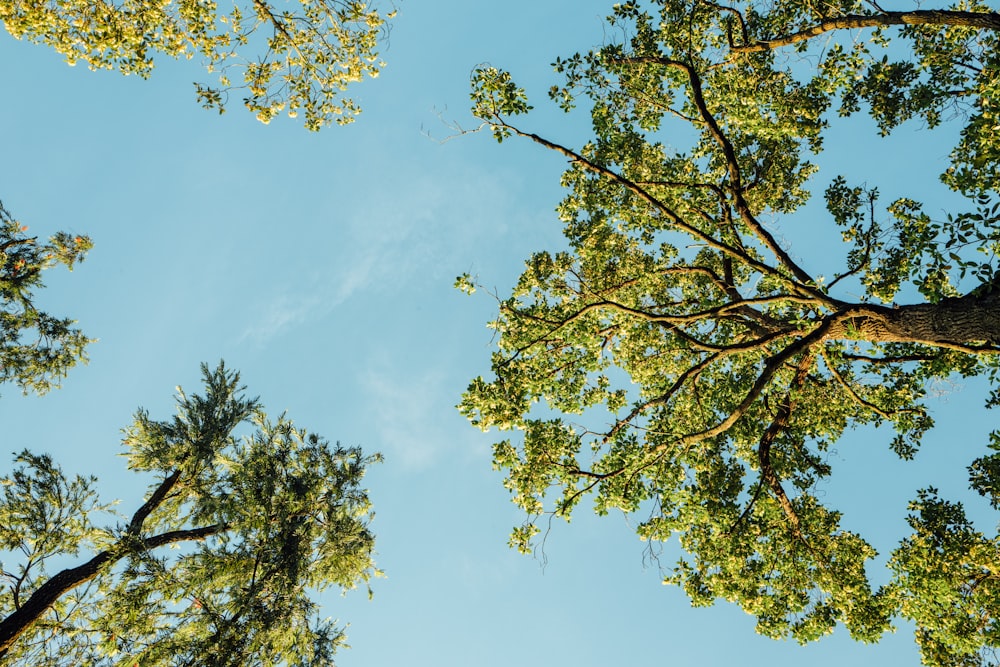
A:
x: 678, y: 362
x: 36, y: 349
x: 254, y: 525
x: 311, y: 51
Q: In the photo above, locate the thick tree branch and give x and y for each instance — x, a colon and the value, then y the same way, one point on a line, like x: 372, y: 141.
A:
x: 981, y: 20
x: 686, y: 318
x: 15, y: 242
x: 900, y: 359
x: 46, y: 595
x: 954, y: 324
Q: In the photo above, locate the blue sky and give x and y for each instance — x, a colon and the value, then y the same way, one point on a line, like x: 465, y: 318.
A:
x: 321, y: 266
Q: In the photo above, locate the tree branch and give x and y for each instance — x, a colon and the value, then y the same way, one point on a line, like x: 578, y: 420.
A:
x: 662, y: 398
x: 770, y: 368
x: 802, y: 280
x: 687, y: 318
x: 135, y: 525
x: 983, y: 20
x: 46, y: 595
x: 735, y: 173
x: 778, y: 424
x: 850, y: 390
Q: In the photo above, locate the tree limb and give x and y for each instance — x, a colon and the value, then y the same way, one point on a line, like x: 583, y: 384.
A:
x: 802, y: 281
x: 982, y: 20
x: 735, y: 173
x: 770, y: 368
x: 850, y: 390
x: 135, y: 525
x: 46, y: 595
x: 778, y: 424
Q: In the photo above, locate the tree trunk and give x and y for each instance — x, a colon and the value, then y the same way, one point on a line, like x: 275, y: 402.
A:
x: 968, y: 319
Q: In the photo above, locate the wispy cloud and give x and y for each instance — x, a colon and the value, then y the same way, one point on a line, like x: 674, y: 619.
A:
x: 406, y: 414
x: 411, y: 231
x: 278, y: 314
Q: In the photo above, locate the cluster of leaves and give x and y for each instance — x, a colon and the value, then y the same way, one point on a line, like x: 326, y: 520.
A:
x: 310, y: 54
x: 678, y: 363
x: 262, y: 521
x: 36, y: 349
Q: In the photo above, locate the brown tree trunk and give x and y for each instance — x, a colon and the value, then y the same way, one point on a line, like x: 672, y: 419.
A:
x: 969, y: 319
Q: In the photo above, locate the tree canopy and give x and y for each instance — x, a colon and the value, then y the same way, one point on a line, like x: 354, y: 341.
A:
x: 680, y: 364
x: 216, y: 566
x: 308, y: 52
x: 36, y: 348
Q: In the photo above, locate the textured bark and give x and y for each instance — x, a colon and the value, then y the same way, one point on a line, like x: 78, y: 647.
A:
x: 46, y: 595
x: 969, y: 319
x: 980, y: 20
x: 59, y: 584
x: 42, y: 599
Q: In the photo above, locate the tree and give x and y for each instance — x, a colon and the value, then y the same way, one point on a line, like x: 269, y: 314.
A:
x: 310, y: 52
x: 215, y: 567
x: 36, y: 349
x: 679, y: 363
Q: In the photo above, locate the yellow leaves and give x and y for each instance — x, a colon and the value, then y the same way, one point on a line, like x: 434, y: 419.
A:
x: 984, y: 555
x: 317, y: 47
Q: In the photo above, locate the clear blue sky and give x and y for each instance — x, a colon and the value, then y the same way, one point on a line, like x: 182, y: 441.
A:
x: 321, y: 266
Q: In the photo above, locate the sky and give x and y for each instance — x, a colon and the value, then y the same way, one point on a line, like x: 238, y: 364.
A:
x: 321, y: 266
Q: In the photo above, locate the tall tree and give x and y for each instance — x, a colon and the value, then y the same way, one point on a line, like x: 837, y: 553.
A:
x: 679, y: 363
x: 36, y: 349
x: 215, y: 567
x: 306, y: 53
